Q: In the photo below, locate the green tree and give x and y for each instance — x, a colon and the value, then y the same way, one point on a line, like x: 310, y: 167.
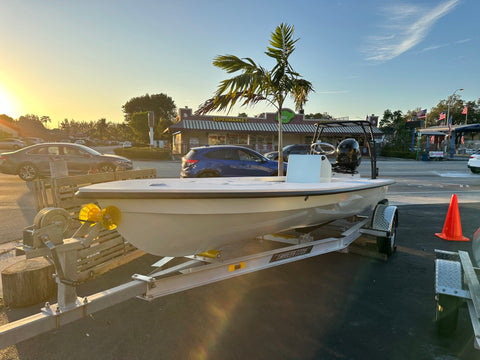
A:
x: 101, y: 129
x: 162, y: 106
x: 318, y: 115
x: 255, y: 83
x: 7, y: 119
x: 139, y: 125
x: 394, y: 125
x: 31, y: 125
x: 45, y: 120
x: 473, y: 112
x: 456, y: 108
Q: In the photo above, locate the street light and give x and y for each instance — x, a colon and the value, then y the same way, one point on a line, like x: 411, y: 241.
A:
x: 452, y: 141
x: 449, y: 101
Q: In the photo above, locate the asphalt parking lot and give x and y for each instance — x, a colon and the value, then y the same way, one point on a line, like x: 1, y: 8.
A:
x: 333, y: 306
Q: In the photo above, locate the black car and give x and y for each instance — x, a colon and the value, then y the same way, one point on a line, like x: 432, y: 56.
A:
x: 226, y: 160
x: 34, y: 161
x: 289, y: 149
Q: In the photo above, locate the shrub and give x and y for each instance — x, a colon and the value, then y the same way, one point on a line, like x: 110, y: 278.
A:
x: 145, y: 153
x: 398, y: 153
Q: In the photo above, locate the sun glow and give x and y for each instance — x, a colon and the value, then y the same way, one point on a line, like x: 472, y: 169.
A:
x: 7, y: 104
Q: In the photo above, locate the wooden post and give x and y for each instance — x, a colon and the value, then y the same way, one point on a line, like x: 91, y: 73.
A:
x: 28, y: 282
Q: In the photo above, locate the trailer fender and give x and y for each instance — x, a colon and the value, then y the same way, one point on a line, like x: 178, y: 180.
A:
x: 385, y: 220
x: 384, y: 217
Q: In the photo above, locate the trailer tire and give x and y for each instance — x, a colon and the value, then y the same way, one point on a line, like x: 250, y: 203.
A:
x: 388, y: 244
x: 446, y: 314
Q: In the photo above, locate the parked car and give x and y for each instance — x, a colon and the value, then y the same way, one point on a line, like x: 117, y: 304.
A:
x: 11, y: 144
x: 474, y: 162
x: 127, y: 144
x: 289, y: 149
x: 34, y: 161
x: 226, y: 160
x: 32, y: 140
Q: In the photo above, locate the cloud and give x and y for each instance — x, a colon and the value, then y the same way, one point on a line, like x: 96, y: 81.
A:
x: 433, y: 47
x: 400, y: 34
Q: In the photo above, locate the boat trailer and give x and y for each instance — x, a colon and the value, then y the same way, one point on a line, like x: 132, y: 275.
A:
x: 45, y: 238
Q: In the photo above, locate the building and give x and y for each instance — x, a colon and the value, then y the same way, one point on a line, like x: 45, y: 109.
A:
x: 258, y: 133
x: 8, y: 129
x: 453, y: 140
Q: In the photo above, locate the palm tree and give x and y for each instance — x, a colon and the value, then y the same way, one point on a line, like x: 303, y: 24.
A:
x: 255, y: 83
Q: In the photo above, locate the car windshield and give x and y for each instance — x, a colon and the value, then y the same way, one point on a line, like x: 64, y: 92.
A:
x: 89, y: 150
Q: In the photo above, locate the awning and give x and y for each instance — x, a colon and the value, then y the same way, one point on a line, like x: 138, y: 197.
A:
x: 432, y: 133
x: 259, y: 127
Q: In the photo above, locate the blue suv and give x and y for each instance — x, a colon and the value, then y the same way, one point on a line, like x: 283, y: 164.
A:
x: 226, y: 160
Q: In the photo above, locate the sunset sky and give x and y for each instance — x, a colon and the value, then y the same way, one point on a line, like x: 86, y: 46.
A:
x: 83, y: 60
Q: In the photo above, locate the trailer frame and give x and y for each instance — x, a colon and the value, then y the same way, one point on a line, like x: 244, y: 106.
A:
x: 194, y: 271
x: 456, y: 282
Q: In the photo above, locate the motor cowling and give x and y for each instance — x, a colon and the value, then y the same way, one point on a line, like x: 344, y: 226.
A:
x: 348, y: 154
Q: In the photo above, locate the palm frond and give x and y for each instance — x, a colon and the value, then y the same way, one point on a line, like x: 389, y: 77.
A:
x: 253, y: 83
x: 282, y: 43
x: 226, y: 102
x: 300, y: 90
x: 232, y: 63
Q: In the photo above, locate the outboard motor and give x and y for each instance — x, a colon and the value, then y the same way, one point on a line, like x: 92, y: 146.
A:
x: 348, y: 155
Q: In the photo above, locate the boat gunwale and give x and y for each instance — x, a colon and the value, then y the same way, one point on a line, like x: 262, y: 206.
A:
x: 178, y: 194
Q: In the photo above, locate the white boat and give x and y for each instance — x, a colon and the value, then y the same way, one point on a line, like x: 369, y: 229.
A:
x: 178, y: 217
x: 187, y: 216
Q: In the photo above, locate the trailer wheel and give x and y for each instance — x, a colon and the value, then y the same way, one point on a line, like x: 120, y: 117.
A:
x: 446, y: 314
x: 388, y: 244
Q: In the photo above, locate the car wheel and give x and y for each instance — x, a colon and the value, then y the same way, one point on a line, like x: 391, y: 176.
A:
x: 107, y: 168
x: 208, y: 174
x: 28, y: 172
x: 475, y: 170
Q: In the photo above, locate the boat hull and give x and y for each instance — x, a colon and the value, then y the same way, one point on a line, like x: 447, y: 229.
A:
x: 177, y: 223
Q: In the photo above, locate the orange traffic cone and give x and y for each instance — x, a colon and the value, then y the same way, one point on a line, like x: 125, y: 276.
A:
x: 452, y: 229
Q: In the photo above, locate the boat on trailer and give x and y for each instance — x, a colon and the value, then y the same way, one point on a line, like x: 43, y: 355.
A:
x: 186, y: 216
x: 321, y: 197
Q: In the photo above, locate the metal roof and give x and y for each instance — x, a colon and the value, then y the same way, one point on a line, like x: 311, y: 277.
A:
x: 445, y: 128
x: 206, y: 125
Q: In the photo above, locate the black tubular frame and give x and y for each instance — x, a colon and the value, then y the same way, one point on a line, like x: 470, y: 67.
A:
x: 367, y: 135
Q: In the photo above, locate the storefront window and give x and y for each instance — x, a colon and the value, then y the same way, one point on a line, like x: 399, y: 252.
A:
x: 214, y: 139
x: 243, y: 139
x: 232, y: 139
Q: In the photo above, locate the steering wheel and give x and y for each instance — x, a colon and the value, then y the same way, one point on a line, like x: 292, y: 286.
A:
x: 323, y: 148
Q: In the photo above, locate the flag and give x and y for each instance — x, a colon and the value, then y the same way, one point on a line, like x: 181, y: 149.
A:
x: 442, y: 116
x: 465, y: 110
x: 432, y: 139
x: 450, y: 123
x: 422, y: 114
